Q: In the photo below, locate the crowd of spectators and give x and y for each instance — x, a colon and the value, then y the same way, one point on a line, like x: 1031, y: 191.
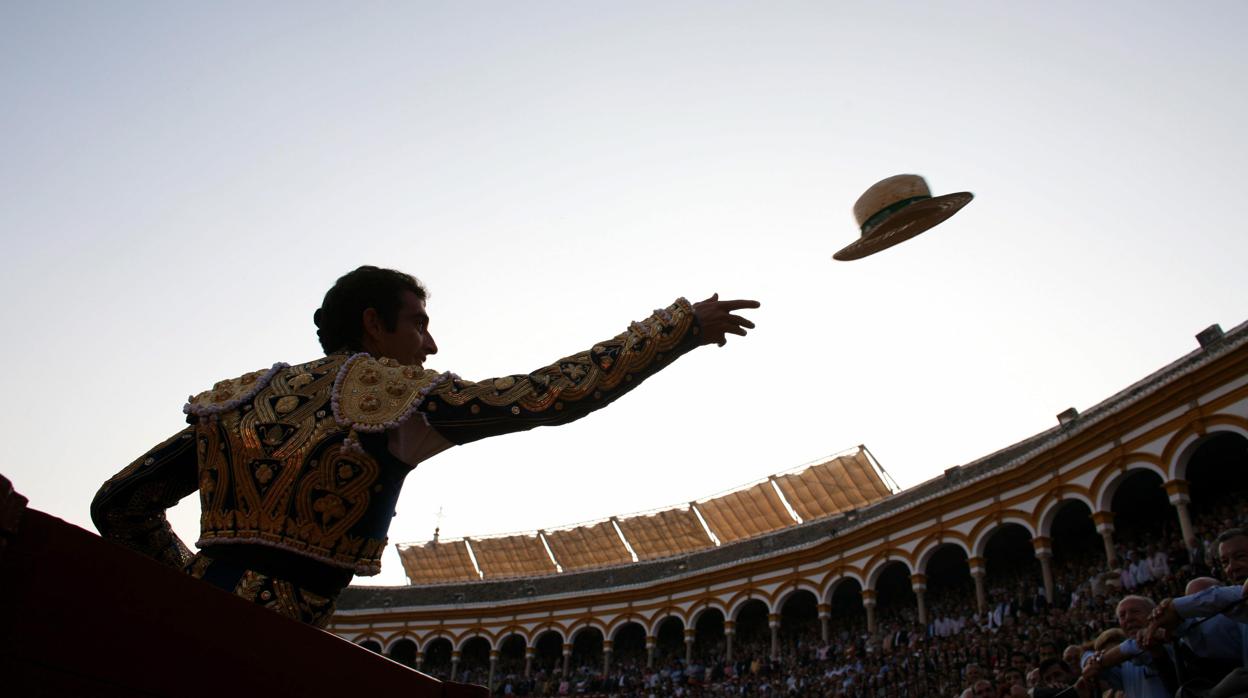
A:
x: 1022, y: 645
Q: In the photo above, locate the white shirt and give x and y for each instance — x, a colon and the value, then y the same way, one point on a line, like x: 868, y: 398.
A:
x: 1159, y: 564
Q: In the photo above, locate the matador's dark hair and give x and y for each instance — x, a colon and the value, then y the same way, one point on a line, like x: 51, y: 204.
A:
x: 338, y: 320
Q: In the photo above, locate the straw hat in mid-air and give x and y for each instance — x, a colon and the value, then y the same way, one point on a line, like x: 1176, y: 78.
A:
x: 896, y: 209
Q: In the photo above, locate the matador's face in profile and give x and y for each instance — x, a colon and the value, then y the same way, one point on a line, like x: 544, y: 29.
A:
x: 410, y: 342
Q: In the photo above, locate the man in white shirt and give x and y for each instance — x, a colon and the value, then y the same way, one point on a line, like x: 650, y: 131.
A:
x: 1159, y: 563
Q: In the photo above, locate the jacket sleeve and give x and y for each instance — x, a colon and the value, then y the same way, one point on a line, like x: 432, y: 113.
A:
x: 130, y: 508
x: 1212, y: 601
x: 570, y: 388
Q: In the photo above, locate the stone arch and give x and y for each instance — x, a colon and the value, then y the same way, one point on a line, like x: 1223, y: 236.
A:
x: 669, y: 636
x: 511, y: 647
x: 706, y: 605
x: 557, y: 628
x: 1008, y: 551
x: 985, y: 528
x: 798, y: 611
x: 1068, y: 524
x: 403, y: 651
x: 471, y: 634
x: 369, y: 635
x: 585, y: 624
x: 934, y: 543
x: 884, y: 559
x: 892, y: 582
x: 946, y: 567
x: 709, y: 631
x: 438, y: 649
x: 745, y: 596
x: 1054, y: 501
x: 1112, y: 477
x: 1179, y: 449
x: 372, y: 644
x: 474, y: 658
x: 628, y: 640
x: 837, y: 577
x: 790, y: 588
x: 1215, y: 469
x: 1141, y: 509
x: 548, y: 642
x: 392, y: 638
x: 1191, y: 443
x: 661, y: 615
x: 588, y: 641
x: 510, y: 630
x: 751, y: 618
x: 614, y: 627
x: 435, y: 636
x: 844, y: 598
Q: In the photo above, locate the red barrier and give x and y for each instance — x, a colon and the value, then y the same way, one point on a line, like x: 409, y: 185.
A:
x: 80, y: 616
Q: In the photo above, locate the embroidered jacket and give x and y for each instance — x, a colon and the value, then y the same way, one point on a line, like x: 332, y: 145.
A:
x: 296, y: 458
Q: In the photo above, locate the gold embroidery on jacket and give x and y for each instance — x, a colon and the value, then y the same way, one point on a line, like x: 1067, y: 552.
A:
x: 268, y: 477
x: 587, y: 373
x: 379, y: 394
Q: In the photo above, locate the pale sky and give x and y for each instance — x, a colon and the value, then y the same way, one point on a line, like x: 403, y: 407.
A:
x: 181, y: 182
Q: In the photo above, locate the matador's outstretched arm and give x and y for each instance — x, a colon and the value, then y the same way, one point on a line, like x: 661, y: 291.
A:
x: 572, y: 387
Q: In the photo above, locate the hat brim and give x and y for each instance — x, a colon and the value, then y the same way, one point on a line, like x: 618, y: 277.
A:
x: 905, y: 224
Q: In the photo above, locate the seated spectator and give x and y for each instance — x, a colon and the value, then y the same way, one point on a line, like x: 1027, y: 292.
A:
x: 1140, y: 571
x: 1054, y: 673
x: 980, y: 689
x: 1071, y: 655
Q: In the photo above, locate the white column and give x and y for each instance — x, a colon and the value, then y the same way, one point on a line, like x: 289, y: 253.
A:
x: 1180, y: 497
x: 773, y: 622
x: 918, y: 582
x: 977, y: 573
x: 1045, y: 554
x: 1104, y: 521
x: 868, y: 602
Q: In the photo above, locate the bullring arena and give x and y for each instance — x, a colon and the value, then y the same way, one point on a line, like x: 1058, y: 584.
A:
x: 827, y: 580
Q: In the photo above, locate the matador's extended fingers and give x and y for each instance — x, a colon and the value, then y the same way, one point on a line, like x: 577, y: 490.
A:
x: 741, y: 321
x: 739, y: 304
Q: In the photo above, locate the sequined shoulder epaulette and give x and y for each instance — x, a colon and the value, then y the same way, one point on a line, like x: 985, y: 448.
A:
x: 231, y: 393
x: 375, y: 395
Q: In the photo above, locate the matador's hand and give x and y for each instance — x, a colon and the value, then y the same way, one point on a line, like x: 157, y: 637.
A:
x: 716, y: 319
